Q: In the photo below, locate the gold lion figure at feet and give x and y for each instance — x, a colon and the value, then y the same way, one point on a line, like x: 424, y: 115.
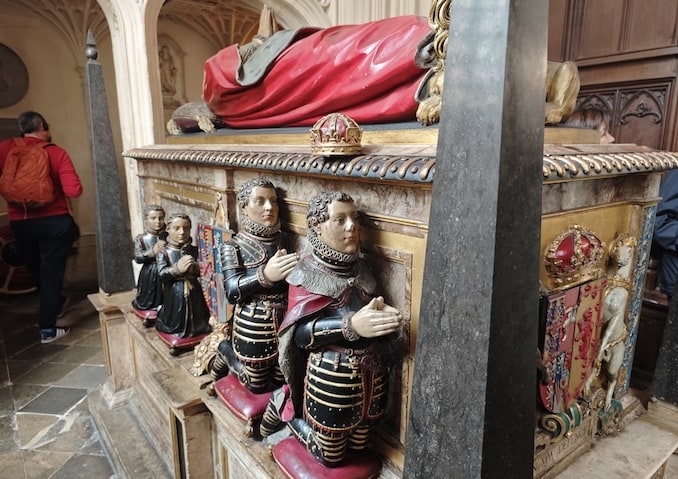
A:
x: 562, y: 79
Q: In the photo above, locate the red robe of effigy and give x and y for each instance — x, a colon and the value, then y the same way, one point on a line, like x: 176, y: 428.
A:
x: 364, y: 71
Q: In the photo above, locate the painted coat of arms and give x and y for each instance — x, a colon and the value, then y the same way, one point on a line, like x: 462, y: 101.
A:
x: 572, y: 323
x: 571, y: 318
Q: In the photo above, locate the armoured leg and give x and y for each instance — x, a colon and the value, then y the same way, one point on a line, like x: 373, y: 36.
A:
x: 272, y: 419
x: 219, y: 366
x: 256, y: 379
x: 328, y: 448
x: 357, y: 441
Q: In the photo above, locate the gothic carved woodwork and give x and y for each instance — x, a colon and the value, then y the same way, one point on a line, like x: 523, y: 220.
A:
x: 638, y: 114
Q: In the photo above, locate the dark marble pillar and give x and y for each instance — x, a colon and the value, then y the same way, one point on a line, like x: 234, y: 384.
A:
x: 473, y: 397
x: 665, y: 380
x: 114, y: 245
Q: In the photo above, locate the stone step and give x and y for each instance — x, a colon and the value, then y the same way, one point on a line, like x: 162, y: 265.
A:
x: 640, y: 451
x: 129, y: 448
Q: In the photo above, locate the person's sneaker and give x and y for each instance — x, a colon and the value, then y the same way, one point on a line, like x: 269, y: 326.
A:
x: 52, y: 334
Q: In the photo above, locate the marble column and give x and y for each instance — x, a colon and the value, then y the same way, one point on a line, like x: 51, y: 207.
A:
x: 473, y: 396
x: 114, y: 244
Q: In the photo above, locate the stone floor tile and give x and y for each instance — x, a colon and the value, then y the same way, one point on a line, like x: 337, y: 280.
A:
x: 87, y: 377
x: 8, y: 435
x: 70, y: 433
x: 42, y: 464
x: 19, y: 342
x: 93, y: 338
x: 4, y: 374
x: 32, y: 429
x: 17, y: 367
x: 47, y: 373
x: 25, y: 393
x: 97, y: 359
x: 91, y: 321
x: 78, y: 336
x: 55, y: 401
x: 12, y: 465
x: 94, y: 447
x: 84, y: 467
x: 6, y: 400
x: 75, y: 354
x: 40, y: 352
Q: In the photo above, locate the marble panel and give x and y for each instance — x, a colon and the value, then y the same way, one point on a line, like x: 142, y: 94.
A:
x: 568, y: 195
x: 621, y: 458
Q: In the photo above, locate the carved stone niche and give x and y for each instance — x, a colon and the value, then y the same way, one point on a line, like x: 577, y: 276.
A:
x: 13, y: 77
x: 172, y: 77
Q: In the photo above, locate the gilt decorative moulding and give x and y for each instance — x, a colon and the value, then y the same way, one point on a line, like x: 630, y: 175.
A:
x: 411, y: 163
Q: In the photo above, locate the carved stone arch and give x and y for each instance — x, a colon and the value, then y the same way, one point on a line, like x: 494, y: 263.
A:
x: 298, y: 13
x: 133, y: 27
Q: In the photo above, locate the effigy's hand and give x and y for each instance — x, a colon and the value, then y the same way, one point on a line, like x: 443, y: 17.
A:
x: 376, y: 319
x: 280, y: 265
x: 160, y: 244
x: 185, y: 262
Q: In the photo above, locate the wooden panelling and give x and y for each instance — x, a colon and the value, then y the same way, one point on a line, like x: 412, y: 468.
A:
x: 627, y: 55
x: 557, y: 16
x: 598, y: 29
x: 651, y: 24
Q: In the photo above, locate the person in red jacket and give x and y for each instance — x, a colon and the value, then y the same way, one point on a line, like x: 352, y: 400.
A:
x: 44, y: 236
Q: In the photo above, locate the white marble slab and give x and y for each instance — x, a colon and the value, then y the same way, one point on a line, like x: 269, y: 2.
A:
x: 637, y: 452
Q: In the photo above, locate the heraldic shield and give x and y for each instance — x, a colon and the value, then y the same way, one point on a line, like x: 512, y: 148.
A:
x: 571, y: 325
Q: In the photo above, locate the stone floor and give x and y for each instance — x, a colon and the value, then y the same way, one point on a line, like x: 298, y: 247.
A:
x: 45, y: 426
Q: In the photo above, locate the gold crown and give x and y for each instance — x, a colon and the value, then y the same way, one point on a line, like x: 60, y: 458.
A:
x: 574, y: 256
x: 335, y: 134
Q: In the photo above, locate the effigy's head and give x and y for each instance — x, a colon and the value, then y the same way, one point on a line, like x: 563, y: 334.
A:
x: 179, y: 228
x: 155, y: 217
x: 258, y: 200
x: 332, y: 219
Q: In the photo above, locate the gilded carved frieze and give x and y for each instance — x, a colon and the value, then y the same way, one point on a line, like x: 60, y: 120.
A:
x: 560, y: 162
